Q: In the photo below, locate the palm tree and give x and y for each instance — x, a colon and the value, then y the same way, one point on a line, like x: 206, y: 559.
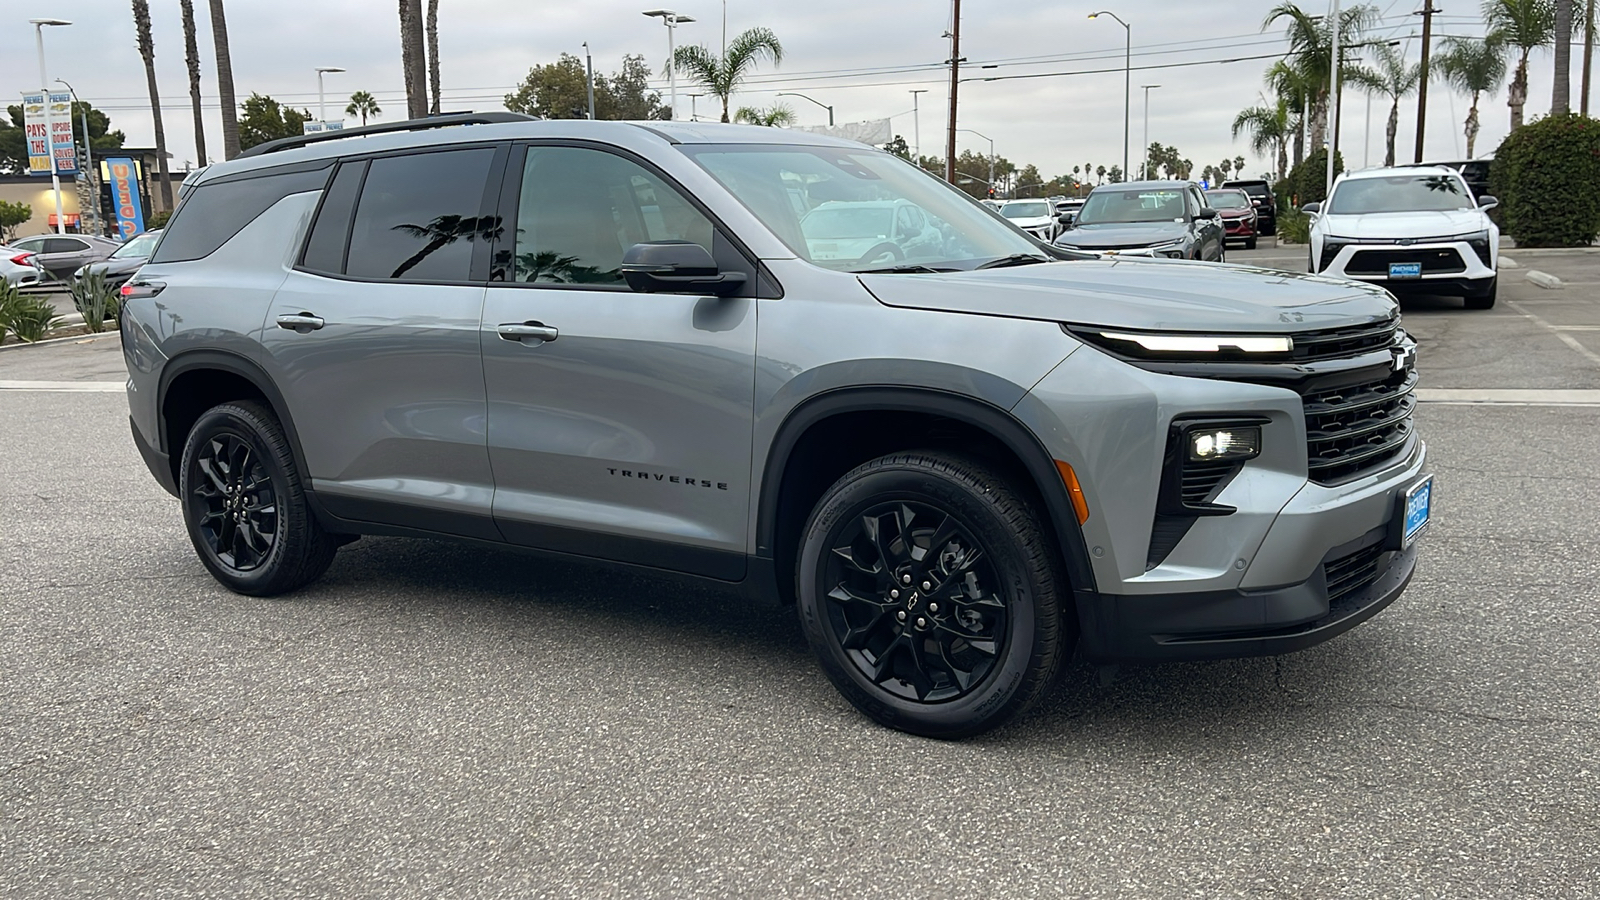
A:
x: 147, y: 49
x: 413, y: 59
x: 1224, y: 168
x: 1100, y: 173
x: 772, y: 116
x: 191, y: 56
x: 1238, y: 166
x: 1474, y: 67
x: 230, y: 103
x: 1392, y: 77
x: 1311, y: 51
x: 433, y: 52
x: 1269, y: 128
x: 1294, y: 88
x: 1561, y: 89
x: 363, y: 104
x: 722, y: 76
x: 1526, y: 25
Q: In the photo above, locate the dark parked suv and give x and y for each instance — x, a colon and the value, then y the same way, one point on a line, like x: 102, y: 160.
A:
x: 1265, y: 202
x: 618, y: 341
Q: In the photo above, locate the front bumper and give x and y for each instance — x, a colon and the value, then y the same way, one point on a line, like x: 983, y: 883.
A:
x: 1240, y: 228
x: 1238, y: 623
x: 1467, y: 276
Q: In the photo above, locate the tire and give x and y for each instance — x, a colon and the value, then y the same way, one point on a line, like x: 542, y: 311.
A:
x: 1485, y: 298
x: 965, y: 518
x: 1250, y: 243
x: 236, y: 464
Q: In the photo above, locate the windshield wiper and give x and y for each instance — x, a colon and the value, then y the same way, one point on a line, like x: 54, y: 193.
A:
x: 902, y: 268
x: 1015, y: 259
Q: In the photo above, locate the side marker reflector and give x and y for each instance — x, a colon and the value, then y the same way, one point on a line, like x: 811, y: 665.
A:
x: 1080, y: 506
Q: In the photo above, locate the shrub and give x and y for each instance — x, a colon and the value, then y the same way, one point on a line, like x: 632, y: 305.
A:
x: 1544, y: 176
x: 8, y: 298
x: 29, y: 318
x: 157, y: 220
x: 1308, y: 182
x: 96, y: 300
x: 1294, y: 226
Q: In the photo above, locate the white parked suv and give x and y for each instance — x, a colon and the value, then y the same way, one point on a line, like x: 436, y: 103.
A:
x: 1036, y: 217
x: 1415, y: 229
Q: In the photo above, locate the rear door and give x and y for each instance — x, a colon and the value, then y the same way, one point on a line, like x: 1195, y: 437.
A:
x: 619, y: 422
x: 373, y: 340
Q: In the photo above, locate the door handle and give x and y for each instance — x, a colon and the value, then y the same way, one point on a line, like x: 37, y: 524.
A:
x: 528, y: 331
x: 303, y: 322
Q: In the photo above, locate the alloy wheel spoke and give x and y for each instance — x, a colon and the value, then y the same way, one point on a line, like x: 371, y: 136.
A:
x: 848, y: 553
x: 215, y: 480
x: 843, y: 594
x: 856, y: 637
x: 962, y: 676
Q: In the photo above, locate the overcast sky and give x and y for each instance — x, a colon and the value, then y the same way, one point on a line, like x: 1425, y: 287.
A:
x: 863, y: 57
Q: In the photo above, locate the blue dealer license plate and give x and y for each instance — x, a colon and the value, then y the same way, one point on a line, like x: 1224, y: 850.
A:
x: 1417, y: 505
x: 1405, y: 270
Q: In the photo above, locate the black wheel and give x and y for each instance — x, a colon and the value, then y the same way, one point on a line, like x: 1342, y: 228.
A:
x: 1485, y: 298
x: 1250, y: 243
x: 930, y: 596
x: 244, y: 505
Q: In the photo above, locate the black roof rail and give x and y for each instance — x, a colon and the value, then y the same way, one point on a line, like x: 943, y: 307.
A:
x: 444, y: 121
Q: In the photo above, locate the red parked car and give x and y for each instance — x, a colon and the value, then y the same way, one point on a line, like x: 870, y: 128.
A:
x: 1239, y: 217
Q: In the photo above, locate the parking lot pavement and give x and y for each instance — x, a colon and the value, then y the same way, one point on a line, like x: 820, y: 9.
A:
x: 435, y: 719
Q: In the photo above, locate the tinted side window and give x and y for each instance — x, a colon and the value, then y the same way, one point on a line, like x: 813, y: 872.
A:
x: 216, y: 211
x: 330, y: 233
x: 64, y: 245
x: 419, y: 216
x: 581, y: 209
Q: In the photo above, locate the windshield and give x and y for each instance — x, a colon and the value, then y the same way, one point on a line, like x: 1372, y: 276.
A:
x: 1147, y: 205
x: 1399, y: 193
x: 1030, y: 210
x: 1227, y: 199
x: 819, y: 201
x: 138, y: 246
x: 846, y: 222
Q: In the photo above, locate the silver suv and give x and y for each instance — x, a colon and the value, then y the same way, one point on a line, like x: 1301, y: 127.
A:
x: 613, y: 341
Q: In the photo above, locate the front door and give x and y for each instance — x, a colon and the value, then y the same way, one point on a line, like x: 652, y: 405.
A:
x: 619, y: 422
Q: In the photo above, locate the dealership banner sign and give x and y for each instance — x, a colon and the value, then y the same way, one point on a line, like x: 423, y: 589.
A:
x: 125, y: 196
x: 56, y: 136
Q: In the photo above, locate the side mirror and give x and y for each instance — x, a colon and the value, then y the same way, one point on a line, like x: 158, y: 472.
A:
x: 1488, y: 202
x: 676, y: 267
x: 1311, y: 209
x: 1207, y: 212
x: 1065, y: 220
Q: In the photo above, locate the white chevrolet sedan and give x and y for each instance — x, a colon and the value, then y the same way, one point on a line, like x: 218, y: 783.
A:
x: 1413, y: 229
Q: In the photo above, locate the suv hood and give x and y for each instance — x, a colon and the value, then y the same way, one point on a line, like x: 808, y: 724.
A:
x: 1405, y: 225
x: 1114, y: 235
x: 1155, y: 295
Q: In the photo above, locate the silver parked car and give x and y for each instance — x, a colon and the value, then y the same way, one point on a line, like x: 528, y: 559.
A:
x: 617, y: 341
x: 17, y: 266
x: 62, y: 254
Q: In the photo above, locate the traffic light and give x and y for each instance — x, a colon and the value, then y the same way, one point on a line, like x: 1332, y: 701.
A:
x: 991, y: 193
x: 83, y: 159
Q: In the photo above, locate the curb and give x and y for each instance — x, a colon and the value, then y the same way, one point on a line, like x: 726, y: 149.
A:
x: 1507, y: 262
x: 60, y: 340
x: 1544, y: 279
x: 1549, y: 251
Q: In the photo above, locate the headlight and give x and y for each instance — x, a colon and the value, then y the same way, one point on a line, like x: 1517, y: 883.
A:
x: 1155, y: 345
x: 1331, y: 246
x: 1479, y: 242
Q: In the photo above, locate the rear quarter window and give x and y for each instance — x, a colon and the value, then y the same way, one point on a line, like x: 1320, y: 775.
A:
x: 215, y: 211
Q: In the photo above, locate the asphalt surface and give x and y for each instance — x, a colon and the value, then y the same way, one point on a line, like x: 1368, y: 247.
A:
x: 433, y: 720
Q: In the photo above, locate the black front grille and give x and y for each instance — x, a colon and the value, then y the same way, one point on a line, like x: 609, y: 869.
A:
x: 1351, y: 430
x: 1339, y: 343
x: 1437, y: 261
x: 1352, y: 572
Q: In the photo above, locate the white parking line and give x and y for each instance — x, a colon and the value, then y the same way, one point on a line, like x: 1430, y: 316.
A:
x: 1510, y: 397
x: 66, y: 387
x: 1567, y: 339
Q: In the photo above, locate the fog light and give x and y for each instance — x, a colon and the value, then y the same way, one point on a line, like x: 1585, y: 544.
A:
x: 1225, y: 444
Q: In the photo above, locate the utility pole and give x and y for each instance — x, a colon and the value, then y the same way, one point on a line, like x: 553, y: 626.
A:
x: 1588, y: 58
x: 1422, y: 86
x: 955, y: 80
x: 916, y: 129
x: 1333, y: 107
x: 588, y: 67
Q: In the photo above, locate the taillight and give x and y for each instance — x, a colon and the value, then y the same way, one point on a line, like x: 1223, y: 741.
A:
x: 21, y: 259
x: 139, y: 290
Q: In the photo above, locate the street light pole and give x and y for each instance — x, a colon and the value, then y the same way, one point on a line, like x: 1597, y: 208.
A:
x: 817, y: 102
x: 49, y: 127
x: 88, y: 158
x: 1144, y: 153
x: 916, y: 129
x: 672, y: 20
x: 1127, y: 84
x: 1333, y: 106
x: 991, y: 151
x: 588, y: 69
x: 322, y: 105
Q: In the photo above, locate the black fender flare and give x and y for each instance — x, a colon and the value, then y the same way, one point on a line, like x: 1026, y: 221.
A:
x: 234, y: 364
x: 998, y: 422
